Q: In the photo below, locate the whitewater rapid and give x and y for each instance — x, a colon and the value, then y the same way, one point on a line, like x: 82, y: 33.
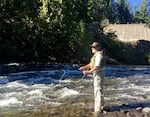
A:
x: 23, y: 91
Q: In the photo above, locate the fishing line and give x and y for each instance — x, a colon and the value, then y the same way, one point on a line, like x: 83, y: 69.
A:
x: 83, y: 76
x: 64, y: 73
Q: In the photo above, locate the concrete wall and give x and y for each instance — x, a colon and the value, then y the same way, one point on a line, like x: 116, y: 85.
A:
x: 130, y: 32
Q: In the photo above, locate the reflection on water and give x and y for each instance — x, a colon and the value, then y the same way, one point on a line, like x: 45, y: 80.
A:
x: 64, y: 92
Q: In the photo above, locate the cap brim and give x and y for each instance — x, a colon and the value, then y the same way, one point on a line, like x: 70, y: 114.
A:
x: 93, y: 46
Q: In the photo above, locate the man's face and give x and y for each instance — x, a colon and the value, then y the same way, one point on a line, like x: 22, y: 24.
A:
x: 93, y: 50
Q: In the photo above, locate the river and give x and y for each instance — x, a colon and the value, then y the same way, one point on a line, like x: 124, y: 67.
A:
x: 66, y: 92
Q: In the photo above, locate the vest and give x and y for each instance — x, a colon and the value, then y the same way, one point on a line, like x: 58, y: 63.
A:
x: 92, y: 62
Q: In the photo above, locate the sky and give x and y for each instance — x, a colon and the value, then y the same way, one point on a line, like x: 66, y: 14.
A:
x: 134, y: 2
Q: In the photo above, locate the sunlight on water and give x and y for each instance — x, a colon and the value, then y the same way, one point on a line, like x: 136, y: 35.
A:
x: 65, y: 92
x: 10, y: 102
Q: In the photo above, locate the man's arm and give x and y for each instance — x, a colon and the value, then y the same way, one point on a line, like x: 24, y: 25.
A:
x: 85, y: 67
x: 95, y: 68
x: 97, y: 64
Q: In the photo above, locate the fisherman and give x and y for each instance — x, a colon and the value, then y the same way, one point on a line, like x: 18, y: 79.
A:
x: 96, y: 67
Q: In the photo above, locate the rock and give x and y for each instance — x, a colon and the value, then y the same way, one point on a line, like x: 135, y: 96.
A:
x: 146, y: 110
x: 139, y: 108
x: 125, y: 104
x: 125, y: 112
x: 13, y: 64
x: 104, y: 112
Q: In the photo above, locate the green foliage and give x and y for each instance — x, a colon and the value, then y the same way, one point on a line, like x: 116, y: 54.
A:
x: 147, y: 19
x: 148, y: 57
x: 141, y: 14
x: 56, y: 30
x: 17, y: 26
x: 122, y: 12
x: 121, y: 52
x: 43, y: 30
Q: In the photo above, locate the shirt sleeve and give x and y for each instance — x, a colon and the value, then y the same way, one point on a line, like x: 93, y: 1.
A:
x: 98, y: 60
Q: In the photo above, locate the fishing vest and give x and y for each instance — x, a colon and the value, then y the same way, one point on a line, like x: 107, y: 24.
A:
x: 92, y: 62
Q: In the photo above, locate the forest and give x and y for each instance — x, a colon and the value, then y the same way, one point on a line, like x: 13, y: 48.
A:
x: 57, y: 31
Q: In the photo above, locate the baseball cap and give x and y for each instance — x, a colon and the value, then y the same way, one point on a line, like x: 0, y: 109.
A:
x: 95, y: 44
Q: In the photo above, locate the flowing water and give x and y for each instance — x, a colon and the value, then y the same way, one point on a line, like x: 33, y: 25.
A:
x: 67, y: 93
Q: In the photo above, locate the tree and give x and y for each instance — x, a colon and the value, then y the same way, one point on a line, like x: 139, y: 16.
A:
x: 66, y: 25
x: 142, y: 12
x: 17, y: 27
x: 123, y: 11
x: 56, y: 30
x: 143, y: 9
x: 110, y: 10
x: 43, y: 30
x: 148, y: 15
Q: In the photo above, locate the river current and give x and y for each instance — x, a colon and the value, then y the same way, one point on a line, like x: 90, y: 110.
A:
x: 31, y: 91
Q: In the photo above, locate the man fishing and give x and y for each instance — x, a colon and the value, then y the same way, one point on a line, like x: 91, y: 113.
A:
x: 96, y: 68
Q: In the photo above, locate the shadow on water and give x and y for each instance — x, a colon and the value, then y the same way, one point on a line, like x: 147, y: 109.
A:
x: 38, y: 74
x: 126, y: 71
x: 45, y: 74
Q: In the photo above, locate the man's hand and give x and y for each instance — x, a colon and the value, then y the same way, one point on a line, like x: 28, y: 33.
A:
x: 81, y: 68
x: 85, y: 67
x: 86, y: 72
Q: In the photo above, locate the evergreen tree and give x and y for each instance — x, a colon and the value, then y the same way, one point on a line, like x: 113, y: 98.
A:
x: 148, y: 14
x: 123, y: 11
x: 142, y: 12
